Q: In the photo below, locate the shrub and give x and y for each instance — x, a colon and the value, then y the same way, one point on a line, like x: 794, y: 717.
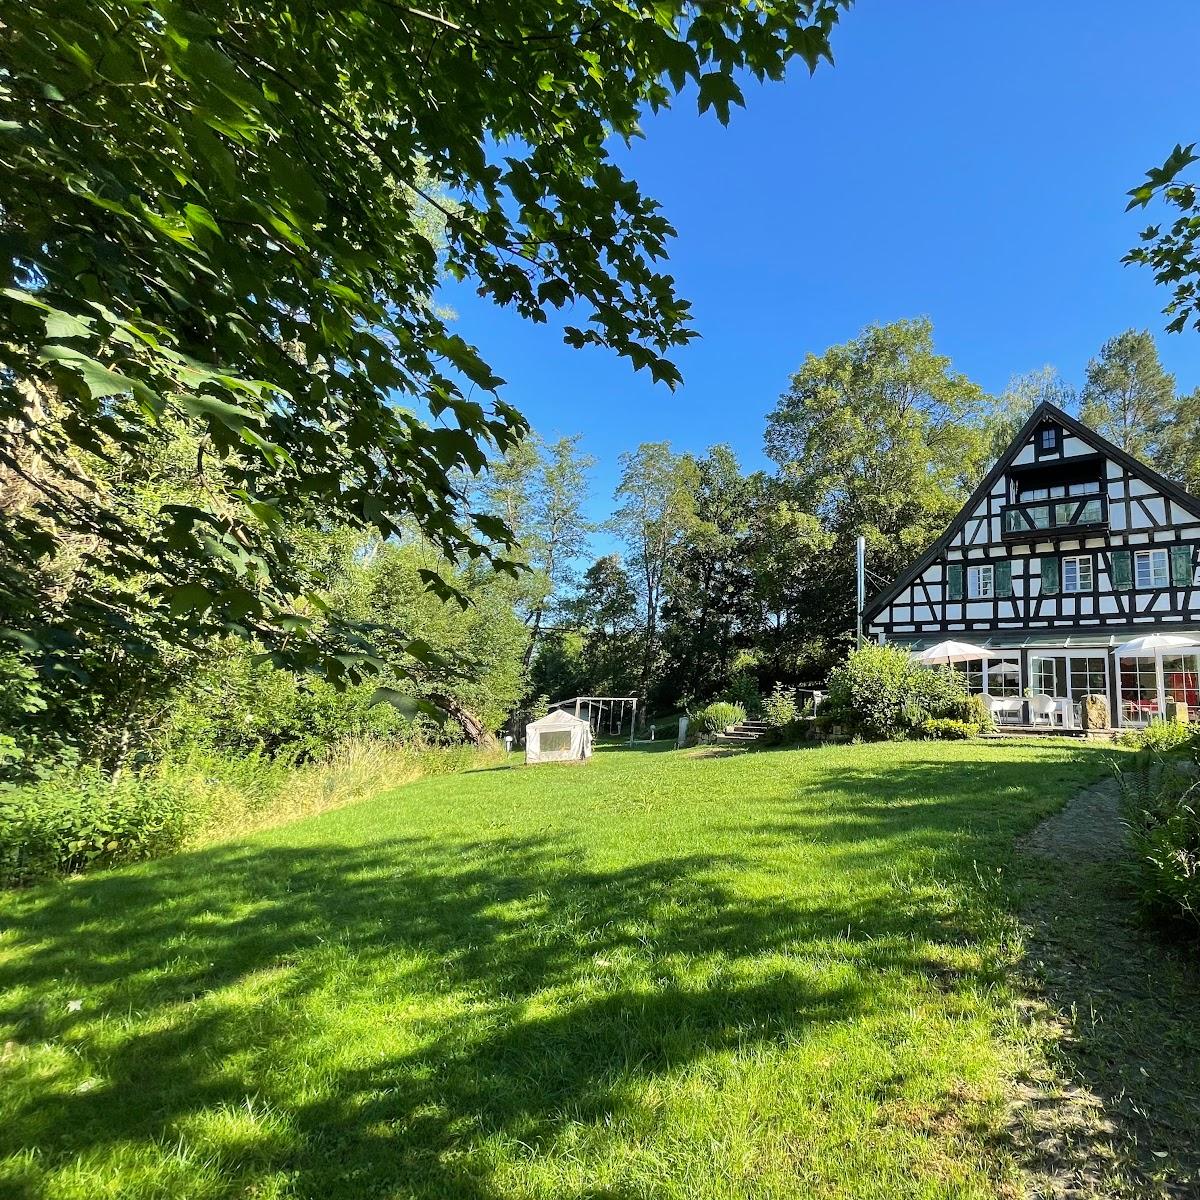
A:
x: 973, y: 710
x: 1160, y: 736
x: 75, y: 820
x: 83, y: 818
x: 883, y: 692
x: 780, y: 707
x: 743, y: 691
x: 948, y: 729
x: 716, y: 718
x: 1161, y: 807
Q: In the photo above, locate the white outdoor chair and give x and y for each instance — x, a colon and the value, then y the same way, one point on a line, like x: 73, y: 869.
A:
x: 1043, y: 707
x: 1004, y: 709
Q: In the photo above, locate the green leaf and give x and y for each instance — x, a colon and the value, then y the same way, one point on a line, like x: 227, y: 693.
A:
x: 719, y: 90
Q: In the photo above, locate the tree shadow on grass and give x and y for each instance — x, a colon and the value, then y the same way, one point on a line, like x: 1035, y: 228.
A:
x: 551, y: 993
x: 966, y: 811
x: 1119, y: 1001
x: 511, y: 994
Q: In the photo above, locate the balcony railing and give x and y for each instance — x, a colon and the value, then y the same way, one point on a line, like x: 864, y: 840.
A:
x: 1036, y: 519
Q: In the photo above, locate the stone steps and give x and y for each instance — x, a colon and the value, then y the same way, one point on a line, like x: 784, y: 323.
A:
x: 744, y: 734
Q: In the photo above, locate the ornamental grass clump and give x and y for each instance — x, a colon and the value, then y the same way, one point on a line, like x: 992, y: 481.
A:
x: 719, y: 716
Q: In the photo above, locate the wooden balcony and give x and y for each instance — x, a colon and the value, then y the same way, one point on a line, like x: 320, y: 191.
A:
x: 1041, y: 520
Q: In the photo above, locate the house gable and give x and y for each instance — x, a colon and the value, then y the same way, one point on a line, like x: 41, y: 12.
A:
x: 1067, y: 531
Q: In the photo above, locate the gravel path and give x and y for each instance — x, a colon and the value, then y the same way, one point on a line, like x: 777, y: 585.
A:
x: 1110, y: 1110
x: 1088, y: 829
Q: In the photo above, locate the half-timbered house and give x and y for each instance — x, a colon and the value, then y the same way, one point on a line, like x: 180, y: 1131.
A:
x: 1069, y: 549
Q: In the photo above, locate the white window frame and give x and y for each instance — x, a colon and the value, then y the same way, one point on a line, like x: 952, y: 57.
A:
x: 1150, y: 558
x: 976, y: 576
x: 1082, y: 564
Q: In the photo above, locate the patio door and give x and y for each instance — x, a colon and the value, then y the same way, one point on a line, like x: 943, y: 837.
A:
x: 1070, y: 676
x: 1048, y: 675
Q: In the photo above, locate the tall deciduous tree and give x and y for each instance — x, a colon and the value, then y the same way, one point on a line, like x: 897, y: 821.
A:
x: 707, y: 589
x: 655, y: 509
x: 216, y: 212
x: 1128, y: 396
x: 603, y: 614
x: 1178, y: 455
x: 880, y: 437
x: 1010, y: 410
x: 540, y: 492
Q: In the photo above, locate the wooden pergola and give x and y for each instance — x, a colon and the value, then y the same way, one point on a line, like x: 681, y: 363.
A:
x: 602, y: 711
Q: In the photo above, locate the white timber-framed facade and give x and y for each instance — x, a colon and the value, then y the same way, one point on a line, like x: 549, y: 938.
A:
x: 1068, y: 549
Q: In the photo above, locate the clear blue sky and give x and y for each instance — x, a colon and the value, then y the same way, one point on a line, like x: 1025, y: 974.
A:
x: 964, y: 159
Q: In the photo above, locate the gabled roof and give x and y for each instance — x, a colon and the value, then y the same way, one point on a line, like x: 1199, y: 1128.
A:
x: 558, y: 718
x: 1044, y: 411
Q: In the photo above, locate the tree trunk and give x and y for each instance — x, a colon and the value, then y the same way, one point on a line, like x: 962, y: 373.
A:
x: 470, y: 723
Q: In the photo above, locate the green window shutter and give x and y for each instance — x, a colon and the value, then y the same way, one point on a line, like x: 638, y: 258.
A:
x: 1120, y: 569
x: 1049, y: 576
x: 1181, y: 566
x: 954, y: 576
x: 1003, y: 579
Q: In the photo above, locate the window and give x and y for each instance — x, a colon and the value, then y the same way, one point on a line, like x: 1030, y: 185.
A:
x: 1088, y: 677
x: 1047, y: 676
x: 1139, y: 690
x: 555, y: 741
x: 1089, y: 487
x: 1049, y: 437
x: 1077, y: 573
x: 1181, y: 680
x: 979, y: 583
x: 1003, y: 677
x: 996, y: 676
x: 1150, y: 569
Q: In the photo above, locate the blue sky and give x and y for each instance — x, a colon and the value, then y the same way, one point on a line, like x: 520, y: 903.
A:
x: 965, y: 160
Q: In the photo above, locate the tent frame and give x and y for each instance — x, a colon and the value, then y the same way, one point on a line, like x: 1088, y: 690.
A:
x: 596, y: 711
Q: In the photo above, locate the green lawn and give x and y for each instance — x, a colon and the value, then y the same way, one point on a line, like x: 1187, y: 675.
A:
x: 658, y: 975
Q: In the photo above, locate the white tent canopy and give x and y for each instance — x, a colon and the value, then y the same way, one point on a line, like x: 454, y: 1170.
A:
x: 558, y: 737
x: 1155, y: 643
x: 953, y: 652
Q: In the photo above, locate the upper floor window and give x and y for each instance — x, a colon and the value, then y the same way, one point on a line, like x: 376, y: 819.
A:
x: 1049, y: 440
x: 1151, y: 569
x: 1077, y: 573
x: 1060, y: 491
x: 980, y: 583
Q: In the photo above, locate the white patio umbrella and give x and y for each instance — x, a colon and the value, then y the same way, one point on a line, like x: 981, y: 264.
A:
x: 1155, y: 643
x: 952, y: 652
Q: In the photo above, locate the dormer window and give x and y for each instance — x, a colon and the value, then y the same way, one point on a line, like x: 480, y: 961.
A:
x: 1049, y: 440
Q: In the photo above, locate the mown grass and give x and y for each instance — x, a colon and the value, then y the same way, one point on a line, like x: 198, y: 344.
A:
x: 658, y: 975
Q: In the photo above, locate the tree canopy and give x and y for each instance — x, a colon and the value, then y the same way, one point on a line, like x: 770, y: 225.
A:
x: 1128, y: 397
x: 1173, y: 253
x: 233, y: 217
